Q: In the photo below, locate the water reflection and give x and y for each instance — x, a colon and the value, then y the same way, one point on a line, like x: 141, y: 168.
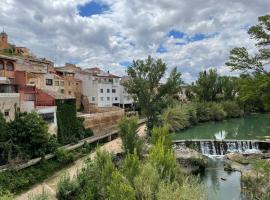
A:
x: 251, y: 127
x: 218, y: 189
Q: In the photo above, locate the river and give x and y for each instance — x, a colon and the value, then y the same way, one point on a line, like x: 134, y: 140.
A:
x: 220, y: 184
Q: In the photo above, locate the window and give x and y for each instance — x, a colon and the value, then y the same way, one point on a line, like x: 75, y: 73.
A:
x: 32, y: 82
x: 62, y: 91
x: 6, y: 113
x: 115, y: 98
x: 111, y: 80
x: 56, y: 83
x: 68, y: 83
x: 108, y: 98
x: 62, y: 83
x: 69, y: 92
x: 113, y: 90
x: 93, y: 98
x: 101, y: 98
x: 47, y: 117
x: 1, y: 65
x: 101, y: 90
x: 10, y: 66
x: 49, y: 82
x: 108, y: 90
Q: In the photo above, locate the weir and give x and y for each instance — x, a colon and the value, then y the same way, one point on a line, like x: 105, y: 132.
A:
x: 221, y: 147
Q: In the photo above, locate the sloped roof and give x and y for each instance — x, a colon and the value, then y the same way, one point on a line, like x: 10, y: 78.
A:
x: 57, y: 95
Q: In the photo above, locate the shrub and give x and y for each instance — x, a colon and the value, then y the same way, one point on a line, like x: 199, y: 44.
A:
x: 6, y: 195
x: 128, y: 133
x: 232, y: 109
x: 120, y: 188
x: 64, y: 156
x: 67, y: 189
x: 192, y: 112
x: 176, y: 118
x: 203, y: 112
x: 217, y: 112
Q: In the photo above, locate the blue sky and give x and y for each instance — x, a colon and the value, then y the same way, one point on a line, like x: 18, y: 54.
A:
x: 190, y: 35
x: 92, y: 8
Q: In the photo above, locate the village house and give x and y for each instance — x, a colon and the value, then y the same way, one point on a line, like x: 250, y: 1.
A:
x: 101, y: 88
x: 72, y: 85
x: 126, y: 99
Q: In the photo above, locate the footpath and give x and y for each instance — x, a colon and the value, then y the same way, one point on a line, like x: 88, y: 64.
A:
x: 49, y: 186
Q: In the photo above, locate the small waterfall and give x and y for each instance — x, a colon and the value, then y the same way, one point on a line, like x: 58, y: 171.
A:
x: 220, y: 147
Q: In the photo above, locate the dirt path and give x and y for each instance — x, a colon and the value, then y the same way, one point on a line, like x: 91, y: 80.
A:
x: 50, y: 184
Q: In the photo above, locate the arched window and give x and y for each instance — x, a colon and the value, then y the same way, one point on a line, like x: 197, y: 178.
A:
x: 1, y: 65
x: 10, y: 66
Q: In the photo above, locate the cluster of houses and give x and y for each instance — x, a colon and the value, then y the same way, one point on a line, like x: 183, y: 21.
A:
x: 28, y: 83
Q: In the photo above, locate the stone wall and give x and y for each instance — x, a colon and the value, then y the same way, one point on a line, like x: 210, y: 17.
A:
x: 103, y: 123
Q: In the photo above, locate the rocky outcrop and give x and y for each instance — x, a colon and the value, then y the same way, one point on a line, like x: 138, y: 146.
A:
x: 191, y: 160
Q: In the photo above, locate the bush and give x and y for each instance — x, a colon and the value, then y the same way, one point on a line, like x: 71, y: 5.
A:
x: 232, y: 109
x: 64, y: 156
x: 128, y: 133
x: 203, y: 112
x: 6, y: 195
x: 176, y: 118
x: 67, y: 189
x: 217, y: 112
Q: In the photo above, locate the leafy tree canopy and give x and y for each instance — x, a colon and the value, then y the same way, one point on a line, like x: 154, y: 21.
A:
x: 145, y: 84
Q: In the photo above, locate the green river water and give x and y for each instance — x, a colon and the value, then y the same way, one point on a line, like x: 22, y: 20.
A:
x: 219, y: 184
x: 253, y: 127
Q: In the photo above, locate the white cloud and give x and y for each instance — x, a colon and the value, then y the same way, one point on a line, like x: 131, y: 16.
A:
x: 132, y: 29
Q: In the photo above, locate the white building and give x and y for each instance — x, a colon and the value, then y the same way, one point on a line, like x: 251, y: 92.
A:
x: 101, y: 88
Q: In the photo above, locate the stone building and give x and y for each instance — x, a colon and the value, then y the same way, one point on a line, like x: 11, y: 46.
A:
x: 7, y: 68
x: 8, y: 48
x: 72, y: 85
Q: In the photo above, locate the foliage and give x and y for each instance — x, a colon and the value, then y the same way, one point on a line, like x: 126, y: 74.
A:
x: 180, y: 117
x: 16, y: 181
x: 134, y: 179
x: 131, y: 167
x: 120, y: 188
x: 217, y: 112
x: 260, y: 176
x: 67, y: 189
x: 70, y: 128
x: 130, y: 138
x: 63, y: 156
x: 161, y: 133
x: 145, y: 85
x: 257, y: 85
x: 6, y: 195
x: 207, y: 86
x: 163, y: 159
x: 232, y: 109
x: 29, y: 134
x: 175, y: 118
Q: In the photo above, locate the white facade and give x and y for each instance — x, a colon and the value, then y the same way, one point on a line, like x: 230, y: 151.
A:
x: 48, y: 113
x: 125, y: 98
x: 102, y: 89
x: 9, y: 102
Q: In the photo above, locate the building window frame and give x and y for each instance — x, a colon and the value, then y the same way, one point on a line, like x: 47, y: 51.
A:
x: 2, y: 65
x: 49, y: 82
x: 10, y: 66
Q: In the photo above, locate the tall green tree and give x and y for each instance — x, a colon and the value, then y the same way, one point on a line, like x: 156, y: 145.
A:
x: 149, y: 92
x: 256, y: 63
x: 29, y: 134
x: 207, y: 86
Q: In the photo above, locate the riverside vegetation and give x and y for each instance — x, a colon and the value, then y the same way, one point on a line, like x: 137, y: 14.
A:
x: 142, y: 173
